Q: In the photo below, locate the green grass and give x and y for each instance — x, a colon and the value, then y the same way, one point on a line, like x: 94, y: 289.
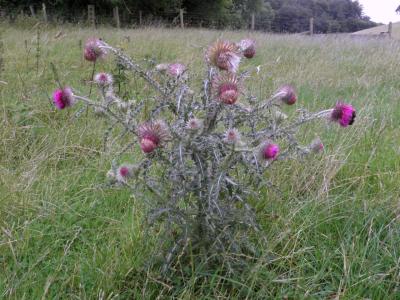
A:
x: 335, y: 233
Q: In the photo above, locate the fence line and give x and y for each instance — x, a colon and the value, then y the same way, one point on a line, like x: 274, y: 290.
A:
x: 181, y: 19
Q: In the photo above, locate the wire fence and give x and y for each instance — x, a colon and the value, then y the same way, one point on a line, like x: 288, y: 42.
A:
x: 122, y: 17
x: 125, y: 18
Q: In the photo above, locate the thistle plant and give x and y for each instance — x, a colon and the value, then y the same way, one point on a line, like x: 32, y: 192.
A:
x: 203, y: 154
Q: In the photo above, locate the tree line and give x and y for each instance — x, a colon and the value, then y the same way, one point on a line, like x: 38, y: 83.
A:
x: 270, y: 15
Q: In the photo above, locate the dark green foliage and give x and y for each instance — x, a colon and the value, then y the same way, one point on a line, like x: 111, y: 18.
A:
x: 270, y: 15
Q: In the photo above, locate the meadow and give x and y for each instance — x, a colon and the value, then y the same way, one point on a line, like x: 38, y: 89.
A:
x: 333, y: 231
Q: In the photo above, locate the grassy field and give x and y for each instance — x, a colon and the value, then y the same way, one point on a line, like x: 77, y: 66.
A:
x: 335, y: 233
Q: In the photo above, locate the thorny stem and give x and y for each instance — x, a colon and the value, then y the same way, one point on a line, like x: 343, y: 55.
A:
x: 55, y: 73
x: 315, y: 116
x: 136, y: 68
x: 106, y: 110
x: 91, y: 78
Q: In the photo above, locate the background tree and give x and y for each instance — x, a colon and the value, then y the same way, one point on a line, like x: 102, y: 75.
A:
x: 271, y: 15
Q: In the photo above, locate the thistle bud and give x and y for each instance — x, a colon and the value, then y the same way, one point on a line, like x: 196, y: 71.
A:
x: 194, y: 124
x: 103, y: 79
x: 268, y: 151
x: 287, y: 94
x: 248, y: 47
x: 316, y: 145
x: 232, y: 136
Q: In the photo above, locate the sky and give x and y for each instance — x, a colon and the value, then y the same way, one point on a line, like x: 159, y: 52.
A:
x: 382, y: 11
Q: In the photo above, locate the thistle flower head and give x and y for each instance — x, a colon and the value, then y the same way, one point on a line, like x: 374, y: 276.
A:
x: 93, y: 51
x: 226, y: 87
x: 152, y: 135
x: 103, y: 79
x: 268, y: 151
x: 344, y: 114
x: 287, y: 94
x: 248, y: 47
x: 175, y: 70
x: 232, y: 136
x: 224, y: 55
x: 63, y: 98
x: 194, y: 124
x: 316, y: 145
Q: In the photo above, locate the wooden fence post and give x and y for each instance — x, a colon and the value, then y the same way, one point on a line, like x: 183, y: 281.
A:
x: 116, y: 17
x: 140, y: 18
x: 253, y: 21
x: 390, y: 29
x: 311, y: 26
x: 181, y: 18
x: 32, y: 10
x: 91, y: 15
x: 44, y: 12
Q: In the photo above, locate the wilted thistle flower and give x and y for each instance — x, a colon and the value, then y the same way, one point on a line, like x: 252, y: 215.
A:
x: 287, y: 94
x: 224, y: 55
x: 226, y: 87
x: 152, y: 135
x: 232, y: 136
x: 175, y: 70
x: 92, y: 50
x: 63, y: 98
x: 268, y: 151
x: 103, y: 79
x: 194, y: 124
x: 316, y: 145
x: 248, y: 47
x: 344, y: 114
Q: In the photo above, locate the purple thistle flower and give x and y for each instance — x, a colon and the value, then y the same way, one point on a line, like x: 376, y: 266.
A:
x: 103, y: 79
x: 152, y: 135
x: 63, y: 98
x: 268, y: 151
x: 123, y: 173
x: 224, y: 55
x: 344, y: 114
x: 226, y: 88
x: 232, y: 136
x: 93, y: 51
